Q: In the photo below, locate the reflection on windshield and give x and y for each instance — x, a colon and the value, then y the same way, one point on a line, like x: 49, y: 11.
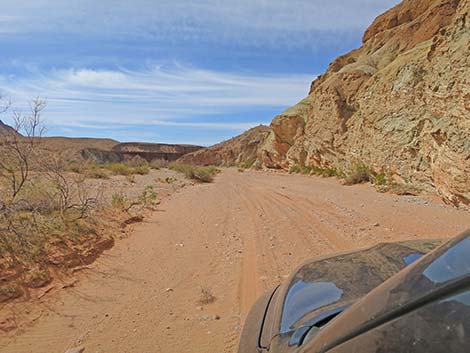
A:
x: 452, y: 264
x: 463, y: 298
x: 408, y: 260
x: 304, y: 297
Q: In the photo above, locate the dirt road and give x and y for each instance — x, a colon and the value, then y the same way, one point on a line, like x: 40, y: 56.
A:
x: 234, y: 238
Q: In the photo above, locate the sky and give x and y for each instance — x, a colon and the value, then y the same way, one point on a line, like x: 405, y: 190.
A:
x: 170, y: 71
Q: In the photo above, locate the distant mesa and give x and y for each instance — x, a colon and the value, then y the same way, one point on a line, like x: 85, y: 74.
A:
x: 147, y: 151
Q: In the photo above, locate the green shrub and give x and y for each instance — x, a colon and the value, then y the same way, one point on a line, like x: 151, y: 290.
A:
x: 148, y: 196
x: 96, y: 172
x: 119, y: 169
x: 361, y: 173
x: 380, y: 179
x: 300, y: 169
x: 158, y: 164
x: 118, y: 200
x: 142, y: 170
x: 124, y: 169
x: 247, y: 164
x: 325, y: 172
x: 75, y: 167
x: 203, y: 174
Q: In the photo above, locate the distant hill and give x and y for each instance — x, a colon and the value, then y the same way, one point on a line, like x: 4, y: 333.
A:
x: 242, y: 150
x: 71, y: 148
x: 7, y: 130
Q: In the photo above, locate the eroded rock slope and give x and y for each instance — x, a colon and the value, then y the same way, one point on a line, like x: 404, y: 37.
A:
x: 399, y: 104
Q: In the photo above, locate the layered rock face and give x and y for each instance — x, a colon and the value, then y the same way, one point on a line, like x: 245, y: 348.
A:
x: 399, y: 104
x: 243, y: 150
x: 148, y: 151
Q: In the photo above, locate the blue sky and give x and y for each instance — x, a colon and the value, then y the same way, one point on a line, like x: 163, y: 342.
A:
x: 171, y: 70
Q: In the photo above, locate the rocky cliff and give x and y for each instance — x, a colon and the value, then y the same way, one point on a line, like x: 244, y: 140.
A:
x: 399, y: 104
x: 243, y: 150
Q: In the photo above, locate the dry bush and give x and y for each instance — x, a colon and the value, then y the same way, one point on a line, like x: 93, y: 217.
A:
x: 44, y: 208
x: 206, y: 296
x: 158, y: 164
x: 202, y: 174
x: 360, y: 173
x: 136, y: 161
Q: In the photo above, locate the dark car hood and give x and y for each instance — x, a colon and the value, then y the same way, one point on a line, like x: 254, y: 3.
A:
x: 326, y: 286
x: 444, y: 270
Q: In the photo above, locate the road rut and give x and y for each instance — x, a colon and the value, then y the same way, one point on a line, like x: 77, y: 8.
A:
x: 234, y: 238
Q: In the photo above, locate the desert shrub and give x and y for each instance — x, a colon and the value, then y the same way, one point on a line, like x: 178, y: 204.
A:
x: 185, y: 169
x: 119, y: 200
x: 38, y: 277
x: 300, y: 169
x: 96, y: 172
x: 361, y: 173
x: 119, y: 169
x: 203, y: 174
x: 141, y: 170
x: 248, y: 164
x: 241, y: 170
x: 325, y: 172
x: 206, y: 296
x: 125, y: 170
x: 135, y: 161
x: 10, y: 291
x: 130, y: 178
x: 310, y: 170
x: 380, y: 179
x: 75, y: 167
x: 158, y: 164
x: 148, y: 196
x: 39, y: 195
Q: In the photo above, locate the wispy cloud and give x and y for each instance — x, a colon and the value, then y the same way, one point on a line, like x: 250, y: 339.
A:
x: 90, y: 60
x: 160, y: 96
x: 258, y: 22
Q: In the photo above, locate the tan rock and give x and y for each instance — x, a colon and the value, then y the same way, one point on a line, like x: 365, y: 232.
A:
x: 399, y: 104
x: 240, y: 150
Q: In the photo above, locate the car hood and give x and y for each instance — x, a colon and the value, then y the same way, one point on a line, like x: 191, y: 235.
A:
x: 444, y: 270
x: 323, y: 287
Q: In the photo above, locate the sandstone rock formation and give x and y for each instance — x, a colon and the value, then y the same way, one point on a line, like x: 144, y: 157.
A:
x: 399, y: 104
x: 243, y: 150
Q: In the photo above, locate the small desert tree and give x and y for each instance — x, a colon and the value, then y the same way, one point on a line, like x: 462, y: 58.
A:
x: 18, y: 150
x: 17, y: 155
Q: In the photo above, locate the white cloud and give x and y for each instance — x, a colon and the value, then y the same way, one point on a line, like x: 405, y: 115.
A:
x: 171, y: 96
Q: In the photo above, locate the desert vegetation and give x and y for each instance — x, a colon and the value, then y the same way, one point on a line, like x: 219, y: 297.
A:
x: 309, y: 170
x: 361, y: 173
x: 53, y: 216
x: 198, y: 173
